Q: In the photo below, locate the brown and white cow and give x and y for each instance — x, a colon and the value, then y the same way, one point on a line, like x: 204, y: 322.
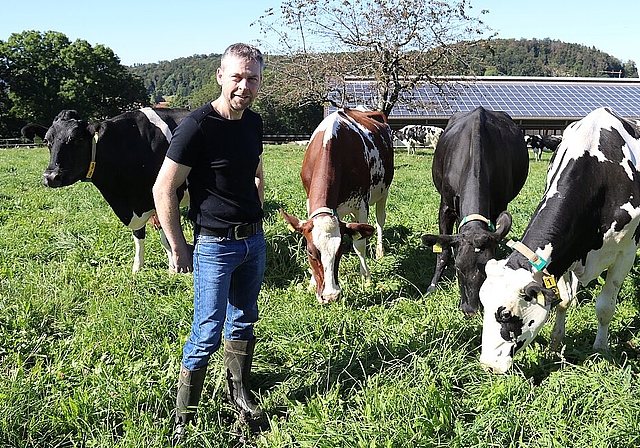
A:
x: 347, y: 167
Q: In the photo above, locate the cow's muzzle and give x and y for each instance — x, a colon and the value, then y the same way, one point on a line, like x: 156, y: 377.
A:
x: 328, y: 298
x: 52, y: 179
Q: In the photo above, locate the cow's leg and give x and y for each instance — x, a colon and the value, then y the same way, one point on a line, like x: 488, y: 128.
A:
x: 138, y: 241
x: 167, y: 248
x: 606, y: 301
x: 446, y: 221
x: 360, y: 245
x: 567, y: 286
x: 381, y: 217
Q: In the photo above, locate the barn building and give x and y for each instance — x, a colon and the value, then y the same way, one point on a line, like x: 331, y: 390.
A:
x: 540, y: 105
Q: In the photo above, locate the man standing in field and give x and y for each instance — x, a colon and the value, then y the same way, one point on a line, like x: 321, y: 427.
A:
x: 217, y: 149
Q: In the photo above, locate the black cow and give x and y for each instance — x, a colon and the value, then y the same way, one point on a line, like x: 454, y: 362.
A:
x: 588, y: 221
x: 121, y: 156
x: 479, y: 166
x: 416, y: 134
x: 542, y: 143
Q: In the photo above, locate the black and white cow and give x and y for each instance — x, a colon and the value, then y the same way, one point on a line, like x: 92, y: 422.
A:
x: 416, y: 134
x: 542, y: 143
x: 480, y: 164
x: 586, y: 223
x: 121, y: 156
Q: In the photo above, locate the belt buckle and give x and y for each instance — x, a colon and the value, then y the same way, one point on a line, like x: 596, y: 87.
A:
x: 236, y: 235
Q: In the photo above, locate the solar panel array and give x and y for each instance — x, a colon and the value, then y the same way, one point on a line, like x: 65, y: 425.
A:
x: 521, y: 98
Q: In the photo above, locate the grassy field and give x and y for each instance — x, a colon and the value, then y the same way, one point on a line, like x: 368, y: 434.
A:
x: 89, y: 353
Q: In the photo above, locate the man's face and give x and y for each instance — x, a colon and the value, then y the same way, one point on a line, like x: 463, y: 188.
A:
x: 240, y: 81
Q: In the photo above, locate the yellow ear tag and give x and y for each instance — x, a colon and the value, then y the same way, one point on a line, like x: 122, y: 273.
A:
x: 550, y: 282
x: 356, y: 236
x: 540, y: 298
x: 437, y: 248
x: 290, y: 227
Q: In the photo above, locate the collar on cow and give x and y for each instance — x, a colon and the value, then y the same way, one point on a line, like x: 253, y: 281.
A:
x: 92, y: 164
x: 477, y: 217
x: 540, y: 264
x: 322, y: 210
x: 536, y: 260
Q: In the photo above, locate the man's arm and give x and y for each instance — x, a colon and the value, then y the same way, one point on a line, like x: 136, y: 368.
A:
x: 260, y: 181
x: 170, y: 177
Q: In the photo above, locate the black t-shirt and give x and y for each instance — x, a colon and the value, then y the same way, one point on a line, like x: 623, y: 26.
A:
x: 223, y: 156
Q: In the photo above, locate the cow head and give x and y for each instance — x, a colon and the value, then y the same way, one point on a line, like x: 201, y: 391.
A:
x: 324, y: 234
x: 69, y: 140
x: 474, y: 246
x: 515, y: 308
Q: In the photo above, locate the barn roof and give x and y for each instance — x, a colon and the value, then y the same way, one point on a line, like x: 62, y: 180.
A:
x: 533, y: 102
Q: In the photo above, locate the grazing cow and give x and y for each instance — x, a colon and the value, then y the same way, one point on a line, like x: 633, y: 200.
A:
x: 415, y: 134
x: 347, y: 167
x: 479, y: 166
x: 542, y: 143
x: 586, y: 223
x: 120, y: 156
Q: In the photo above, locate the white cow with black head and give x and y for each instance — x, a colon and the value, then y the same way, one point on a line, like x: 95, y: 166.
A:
x: 587, y: 222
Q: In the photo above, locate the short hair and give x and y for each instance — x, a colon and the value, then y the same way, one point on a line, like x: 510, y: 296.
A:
x: 243, y: 51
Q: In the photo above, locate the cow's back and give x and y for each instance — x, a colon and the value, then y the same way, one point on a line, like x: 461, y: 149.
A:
x: 588, y: 225
x: 481, y: 149
x: 350, y: 155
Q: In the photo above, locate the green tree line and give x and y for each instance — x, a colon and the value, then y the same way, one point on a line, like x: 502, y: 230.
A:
x: 191, y: 81
x: 42, y: 73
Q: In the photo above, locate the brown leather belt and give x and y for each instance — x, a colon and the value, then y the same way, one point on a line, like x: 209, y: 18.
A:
x: 238, y: 232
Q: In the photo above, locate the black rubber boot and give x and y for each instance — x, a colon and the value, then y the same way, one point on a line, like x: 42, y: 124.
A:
x: 190, y: 385
x: 238, y: 356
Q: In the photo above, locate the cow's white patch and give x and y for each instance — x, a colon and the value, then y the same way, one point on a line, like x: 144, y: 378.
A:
x: 503, y: 293
x: 583, y: 138
x: 155, y: 119
x: 326, y: 237
x: 138, y: 222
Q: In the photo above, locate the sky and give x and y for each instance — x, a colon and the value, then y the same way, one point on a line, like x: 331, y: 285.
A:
x: 143, y: 31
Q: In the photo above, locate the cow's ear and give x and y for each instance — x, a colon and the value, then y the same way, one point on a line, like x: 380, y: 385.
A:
x: 539, y: 294
x: 96, y: 126
x: 503, y: 225
x: 294, y: 224
x: 357, y: 230
x: 441, y: 240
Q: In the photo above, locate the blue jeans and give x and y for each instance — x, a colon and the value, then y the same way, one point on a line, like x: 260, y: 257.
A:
x: 227, y: 276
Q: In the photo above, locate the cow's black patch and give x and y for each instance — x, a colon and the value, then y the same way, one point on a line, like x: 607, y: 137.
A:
x: 510, y: 324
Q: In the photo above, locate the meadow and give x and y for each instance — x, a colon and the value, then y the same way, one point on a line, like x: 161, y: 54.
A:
x: 89, y: 353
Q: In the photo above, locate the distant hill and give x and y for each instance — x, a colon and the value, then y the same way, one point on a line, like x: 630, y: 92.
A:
x: 180, y: 76
x: 500, y: 57
x: 546, y: 57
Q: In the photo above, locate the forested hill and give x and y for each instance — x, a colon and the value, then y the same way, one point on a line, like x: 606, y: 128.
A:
x: 179, y: 77
x: 501, y: 57
x: 546, y: 57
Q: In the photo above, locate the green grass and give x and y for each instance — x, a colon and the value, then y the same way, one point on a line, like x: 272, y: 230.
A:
x: 89, y: 353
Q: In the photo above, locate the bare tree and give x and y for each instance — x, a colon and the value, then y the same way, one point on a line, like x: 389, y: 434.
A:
x: 397, y: 43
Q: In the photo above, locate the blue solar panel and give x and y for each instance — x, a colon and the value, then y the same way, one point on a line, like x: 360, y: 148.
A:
x: 563, y: 98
